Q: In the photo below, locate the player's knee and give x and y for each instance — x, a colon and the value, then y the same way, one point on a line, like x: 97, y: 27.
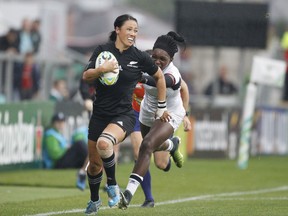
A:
x: 146, y: 146
x: 105, y: 145
x: 102, y: 144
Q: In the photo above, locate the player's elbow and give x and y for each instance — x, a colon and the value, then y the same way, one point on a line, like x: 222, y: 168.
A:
x: 85, y: 76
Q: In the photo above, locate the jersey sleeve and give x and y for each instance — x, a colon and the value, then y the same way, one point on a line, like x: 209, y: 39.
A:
x: 85, y: 90
x: 92, y: 60
x: 169, y: 79
x: 175, y: 77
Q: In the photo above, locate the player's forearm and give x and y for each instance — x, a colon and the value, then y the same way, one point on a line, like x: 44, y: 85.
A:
x: 161, y: 86
x: 91, y: 74
x: 184, y: 95
x: 185, y: 99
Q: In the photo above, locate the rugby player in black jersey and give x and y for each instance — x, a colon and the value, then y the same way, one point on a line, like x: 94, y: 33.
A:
x: 113, y: 118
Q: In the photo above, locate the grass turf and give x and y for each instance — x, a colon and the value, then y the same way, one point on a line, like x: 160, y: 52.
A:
x: 201, y: 187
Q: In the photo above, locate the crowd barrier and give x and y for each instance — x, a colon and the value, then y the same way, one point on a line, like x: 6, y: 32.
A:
x: 22, y: 126
x: 214, y: 134
x: 271, y: 135
x: 212, y: 129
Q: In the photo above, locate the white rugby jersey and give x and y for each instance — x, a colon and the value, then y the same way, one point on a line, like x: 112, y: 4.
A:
x: 173, y: 97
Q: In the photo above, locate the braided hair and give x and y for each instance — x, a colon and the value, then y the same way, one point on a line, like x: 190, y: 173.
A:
x: 168, y: 42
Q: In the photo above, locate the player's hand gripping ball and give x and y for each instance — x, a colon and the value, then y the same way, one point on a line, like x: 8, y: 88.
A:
x: 107, y: 78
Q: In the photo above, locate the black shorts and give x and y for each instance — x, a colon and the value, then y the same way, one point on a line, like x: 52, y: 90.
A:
x: 98, y: 123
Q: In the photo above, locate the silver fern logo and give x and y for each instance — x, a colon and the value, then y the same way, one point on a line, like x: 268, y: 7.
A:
x: 133, y: 64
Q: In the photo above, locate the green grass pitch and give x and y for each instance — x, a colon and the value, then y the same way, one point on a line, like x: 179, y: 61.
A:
x: 200, y: 188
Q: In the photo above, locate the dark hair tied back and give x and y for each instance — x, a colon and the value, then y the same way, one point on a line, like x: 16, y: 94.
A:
x: 119, y: 22
x: 176, y: 36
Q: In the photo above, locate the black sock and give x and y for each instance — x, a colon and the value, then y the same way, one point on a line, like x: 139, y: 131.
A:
x: 110, y: 169
x: 94, y: 184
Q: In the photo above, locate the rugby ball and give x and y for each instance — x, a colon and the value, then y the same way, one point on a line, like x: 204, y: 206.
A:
x: 108, y: 78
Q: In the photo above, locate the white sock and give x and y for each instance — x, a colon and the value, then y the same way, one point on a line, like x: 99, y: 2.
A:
x: 82, y: 172
x: 170, y: 145
x: 133, y: 184
x: 87, y: 166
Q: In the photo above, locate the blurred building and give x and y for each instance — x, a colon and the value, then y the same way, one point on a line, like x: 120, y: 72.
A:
x: 70, y: 31
x: 73, y: 28
x: 89, y: 27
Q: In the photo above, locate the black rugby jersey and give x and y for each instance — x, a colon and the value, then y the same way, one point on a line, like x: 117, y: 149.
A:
x: 117, y: 99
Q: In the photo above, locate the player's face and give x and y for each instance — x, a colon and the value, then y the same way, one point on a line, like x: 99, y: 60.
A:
x: 161, y: 58
x: 127, y: 33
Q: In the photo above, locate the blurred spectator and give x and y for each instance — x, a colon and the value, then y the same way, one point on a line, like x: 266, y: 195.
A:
x: 224, y: 86
x: 35, y: 35
x: 57, y: 152
x: 9, y: 42
x: 185, y: 68
x: 189, y: 78
x: 59, y: 91
x: 25, y: 40
x: 27, y: 77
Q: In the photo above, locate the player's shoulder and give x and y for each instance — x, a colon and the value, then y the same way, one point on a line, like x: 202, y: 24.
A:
x: 171, y: 69
x: 108, y: 46
x: 137, y: 52
x: 105, y: 47
x: 102, y: 47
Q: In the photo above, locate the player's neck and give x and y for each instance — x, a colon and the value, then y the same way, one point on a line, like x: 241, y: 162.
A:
x: 120, y: 46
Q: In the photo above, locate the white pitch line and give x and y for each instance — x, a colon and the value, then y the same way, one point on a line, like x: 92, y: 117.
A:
x: 243, y: 199
x: 203, y: 197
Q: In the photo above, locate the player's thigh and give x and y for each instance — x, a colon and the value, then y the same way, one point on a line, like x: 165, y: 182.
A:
x: 115, y: 131
x: 159, y: 133
x: 121, y: 126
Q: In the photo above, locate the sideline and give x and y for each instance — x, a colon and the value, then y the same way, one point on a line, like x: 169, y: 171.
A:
x: 203, y: 197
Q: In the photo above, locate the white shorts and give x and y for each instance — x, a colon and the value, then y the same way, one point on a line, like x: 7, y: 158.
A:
x: 148, y: 118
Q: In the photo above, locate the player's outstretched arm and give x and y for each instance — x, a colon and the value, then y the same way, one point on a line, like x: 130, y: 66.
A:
x: 185, y: 99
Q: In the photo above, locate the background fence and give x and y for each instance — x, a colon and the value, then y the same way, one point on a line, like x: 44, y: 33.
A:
x: 215, y: 131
